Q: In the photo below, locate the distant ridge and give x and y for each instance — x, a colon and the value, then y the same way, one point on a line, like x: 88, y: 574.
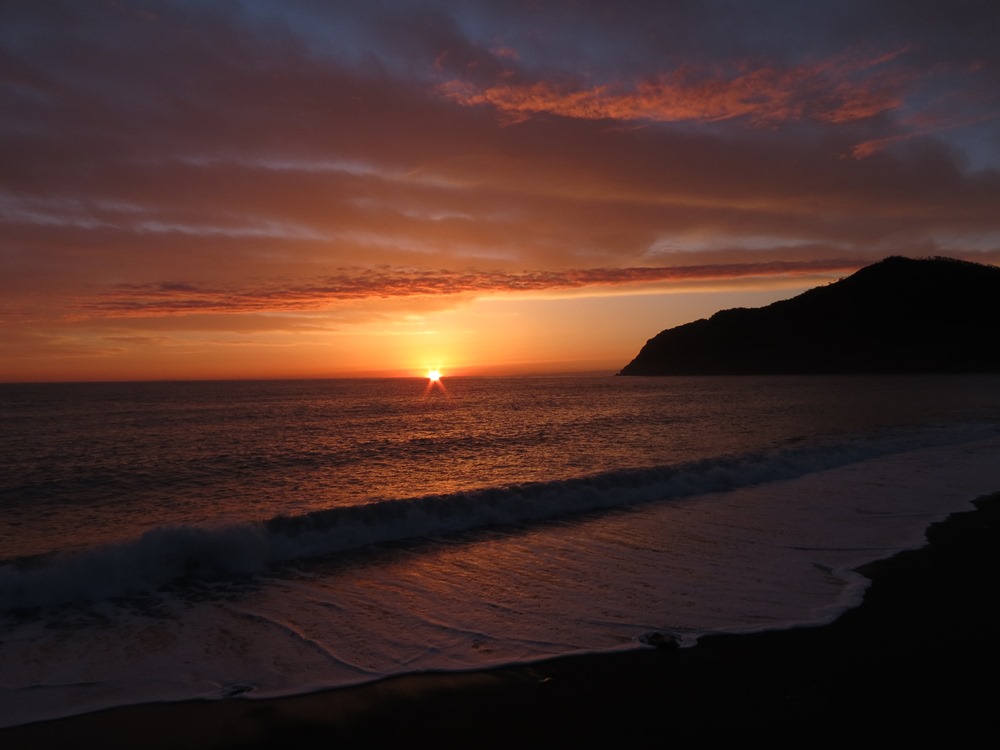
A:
x: 898, y: 315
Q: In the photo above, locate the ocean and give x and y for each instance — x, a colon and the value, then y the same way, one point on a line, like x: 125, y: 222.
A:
x: 207, y: 540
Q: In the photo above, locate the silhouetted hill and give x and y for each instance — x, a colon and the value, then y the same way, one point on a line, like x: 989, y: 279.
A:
x: 898, y: 315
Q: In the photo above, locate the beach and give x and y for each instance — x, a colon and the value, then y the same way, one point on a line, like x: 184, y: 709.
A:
x: 280, y: 563
x: 498, y: 374
x: 906, y: 664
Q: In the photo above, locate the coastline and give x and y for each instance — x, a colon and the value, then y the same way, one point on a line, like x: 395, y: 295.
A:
x: 902, y: 665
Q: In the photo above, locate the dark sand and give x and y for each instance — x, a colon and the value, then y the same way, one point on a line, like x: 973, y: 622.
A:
x: 918, y: 660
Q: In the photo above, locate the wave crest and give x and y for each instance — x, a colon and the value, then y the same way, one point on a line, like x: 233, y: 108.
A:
x: 172, y: 554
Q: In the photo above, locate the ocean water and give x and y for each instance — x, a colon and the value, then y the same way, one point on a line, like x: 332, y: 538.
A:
x: 168, y: 541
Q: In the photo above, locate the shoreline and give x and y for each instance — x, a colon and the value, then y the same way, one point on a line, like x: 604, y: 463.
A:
x: 901, y: 665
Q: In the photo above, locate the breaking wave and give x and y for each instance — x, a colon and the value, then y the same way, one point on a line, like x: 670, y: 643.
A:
x: 173, y: 554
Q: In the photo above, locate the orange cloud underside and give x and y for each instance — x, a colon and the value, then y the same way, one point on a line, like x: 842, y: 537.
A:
x: 171, y: 299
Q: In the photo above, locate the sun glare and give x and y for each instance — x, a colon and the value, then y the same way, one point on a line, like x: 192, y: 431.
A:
x: 434, y: 382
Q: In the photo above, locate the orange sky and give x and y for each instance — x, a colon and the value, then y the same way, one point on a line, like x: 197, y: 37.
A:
x: 199, y: 190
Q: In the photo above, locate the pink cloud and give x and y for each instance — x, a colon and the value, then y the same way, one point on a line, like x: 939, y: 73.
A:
x: 836, y: 91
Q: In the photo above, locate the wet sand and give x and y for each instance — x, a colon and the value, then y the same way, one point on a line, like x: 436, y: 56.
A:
x: 907, y: 664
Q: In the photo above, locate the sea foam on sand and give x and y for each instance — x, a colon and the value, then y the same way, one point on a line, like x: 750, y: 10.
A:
x: 767, y: 556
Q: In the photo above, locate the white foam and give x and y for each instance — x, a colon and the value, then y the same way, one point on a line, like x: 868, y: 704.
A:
x: 172, y: 553
x: 769, y: 555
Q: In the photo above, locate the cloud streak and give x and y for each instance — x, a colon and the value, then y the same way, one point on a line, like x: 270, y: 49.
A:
x: 184, y: 298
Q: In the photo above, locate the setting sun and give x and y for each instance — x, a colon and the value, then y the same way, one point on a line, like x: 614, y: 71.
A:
x: 434, y: 382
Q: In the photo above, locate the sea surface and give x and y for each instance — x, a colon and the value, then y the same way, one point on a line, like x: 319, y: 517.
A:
x: 169, y: 541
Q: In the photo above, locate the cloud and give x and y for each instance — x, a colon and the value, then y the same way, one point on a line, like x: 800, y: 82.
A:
x: 834, y: 91
x: 922, y: 125
x: 253, y: 168
x: 208, y: 136
x: 184, y: 298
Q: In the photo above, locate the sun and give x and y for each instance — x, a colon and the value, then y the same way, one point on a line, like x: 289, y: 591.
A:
x: 434, y: 382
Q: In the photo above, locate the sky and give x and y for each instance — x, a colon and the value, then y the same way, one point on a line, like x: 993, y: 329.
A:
x: 333, y: 189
